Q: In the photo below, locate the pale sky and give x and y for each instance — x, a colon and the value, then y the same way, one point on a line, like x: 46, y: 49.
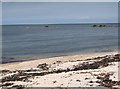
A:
x: 60, y: 0
x: 59, y: 12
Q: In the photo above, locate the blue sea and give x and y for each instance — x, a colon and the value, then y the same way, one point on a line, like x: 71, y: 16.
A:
x: 28, y: 42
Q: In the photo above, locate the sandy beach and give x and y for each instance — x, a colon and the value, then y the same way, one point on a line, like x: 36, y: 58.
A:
x: 84, y: 70
x: 59, y: 45
x: 33, y: 63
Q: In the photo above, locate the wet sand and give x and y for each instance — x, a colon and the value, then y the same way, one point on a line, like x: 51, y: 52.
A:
x: 33, y: 63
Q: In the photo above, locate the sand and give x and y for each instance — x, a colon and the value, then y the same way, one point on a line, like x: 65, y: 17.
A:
x: 34, y: 63
x: 64, y: 71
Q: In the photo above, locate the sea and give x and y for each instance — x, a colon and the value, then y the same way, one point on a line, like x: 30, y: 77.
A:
x: 37, y: 41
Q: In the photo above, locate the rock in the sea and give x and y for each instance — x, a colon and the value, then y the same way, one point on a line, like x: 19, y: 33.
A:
x: 46, y: 26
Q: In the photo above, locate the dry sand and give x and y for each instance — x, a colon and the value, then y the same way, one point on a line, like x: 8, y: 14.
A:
x: 65, y: 71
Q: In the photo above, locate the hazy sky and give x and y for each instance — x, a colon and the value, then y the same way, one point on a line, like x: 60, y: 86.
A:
x: 58, y: 12
x: 60, y: 0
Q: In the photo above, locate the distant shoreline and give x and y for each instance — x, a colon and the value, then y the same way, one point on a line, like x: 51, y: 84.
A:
x: 57, y: 24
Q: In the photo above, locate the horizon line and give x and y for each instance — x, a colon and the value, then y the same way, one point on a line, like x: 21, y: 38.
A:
x: 59, y: 23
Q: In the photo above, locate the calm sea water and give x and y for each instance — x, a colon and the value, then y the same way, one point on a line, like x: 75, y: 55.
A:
x: 25, y: 42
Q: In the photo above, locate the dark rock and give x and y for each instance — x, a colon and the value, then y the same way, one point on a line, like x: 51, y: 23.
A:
x: 91, y: 82
x: 18, y: 87
x: 54, y: 81
x: 5, y: 71
x: 78, y: 80
x: 98, y: 77
x: 98, y: 81
x: 89, y: 59
x: 58, y: 61
x: 7, y: 84
x: 86, y: 78
x: 46, y: 26
x: 43, y: 66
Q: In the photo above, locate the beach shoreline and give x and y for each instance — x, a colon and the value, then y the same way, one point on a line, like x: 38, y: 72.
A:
x: 88, y: 70
x: 32, y: 63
